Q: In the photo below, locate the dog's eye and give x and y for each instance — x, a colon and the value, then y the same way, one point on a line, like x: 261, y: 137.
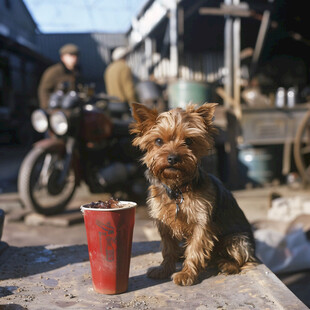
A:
x: 159, y: 142
x: 188, y: 141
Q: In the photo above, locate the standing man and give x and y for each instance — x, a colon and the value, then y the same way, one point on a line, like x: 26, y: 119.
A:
x: 118, y: 77
x: 66, y: 71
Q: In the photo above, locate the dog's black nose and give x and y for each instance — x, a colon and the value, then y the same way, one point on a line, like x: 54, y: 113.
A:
x: 173, y: 159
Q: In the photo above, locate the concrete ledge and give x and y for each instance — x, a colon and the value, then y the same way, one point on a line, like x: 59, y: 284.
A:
x: 56, y: 277
x: 64, y: 219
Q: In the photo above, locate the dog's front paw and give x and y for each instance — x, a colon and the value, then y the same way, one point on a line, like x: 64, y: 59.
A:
x: 159, y: 272
x: 183, y: 278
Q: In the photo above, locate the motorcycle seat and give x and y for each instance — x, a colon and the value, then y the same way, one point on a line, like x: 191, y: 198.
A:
x: 118, y: 108
x: 121, y: 127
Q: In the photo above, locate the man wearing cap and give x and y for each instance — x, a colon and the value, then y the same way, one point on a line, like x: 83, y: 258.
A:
x: 66, y: 71
x: 118, y: 77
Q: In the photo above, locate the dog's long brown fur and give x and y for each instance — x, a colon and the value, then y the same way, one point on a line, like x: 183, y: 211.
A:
x: 188, y: 205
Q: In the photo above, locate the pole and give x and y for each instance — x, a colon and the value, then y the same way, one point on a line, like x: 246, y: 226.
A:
x: 173, y: 31
x: 228, y: 56
x: 236, y: 63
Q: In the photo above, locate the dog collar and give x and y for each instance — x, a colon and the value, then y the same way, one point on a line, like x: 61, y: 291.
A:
x: 177, y: 195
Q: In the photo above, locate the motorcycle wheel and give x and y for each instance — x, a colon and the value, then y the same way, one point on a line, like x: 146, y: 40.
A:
x: 37, y: 182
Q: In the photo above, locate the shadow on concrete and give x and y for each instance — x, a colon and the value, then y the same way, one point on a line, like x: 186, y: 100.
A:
x: 145, y: 247
x: 7, y: 290
x: 140, y: 282
x: 12, y: 307
x: 19, y: 262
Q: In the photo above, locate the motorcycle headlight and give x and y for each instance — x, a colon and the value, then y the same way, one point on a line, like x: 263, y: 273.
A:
x: 39, y: 121
x: 59, y: 123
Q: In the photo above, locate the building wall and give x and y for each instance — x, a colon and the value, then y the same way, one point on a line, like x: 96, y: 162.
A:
x: 20, y: 68
x: 17, y: 23
x: 200, y: 67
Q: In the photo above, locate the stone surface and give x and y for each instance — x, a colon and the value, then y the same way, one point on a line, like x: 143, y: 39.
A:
x: 58, y: 277
x: 17, y: 234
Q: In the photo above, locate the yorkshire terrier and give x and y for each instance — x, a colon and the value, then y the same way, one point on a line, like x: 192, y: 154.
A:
x: 195, y: 214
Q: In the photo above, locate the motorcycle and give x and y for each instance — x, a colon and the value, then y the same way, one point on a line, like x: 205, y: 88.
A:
x: 88, y: 140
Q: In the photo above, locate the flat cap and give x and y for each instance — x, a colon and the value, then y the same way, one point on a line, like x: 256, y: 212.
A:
x: 69, y: 49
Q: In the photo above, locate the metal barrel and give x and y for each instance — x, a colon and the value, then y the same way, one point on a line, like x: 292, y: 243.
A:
x: 261, y: 164
x: 182, y: 92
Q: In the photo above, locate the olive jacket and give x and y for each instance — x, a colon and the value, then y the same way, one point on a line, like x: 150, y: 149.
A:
x: 53, y: 78
x: 119, y: 81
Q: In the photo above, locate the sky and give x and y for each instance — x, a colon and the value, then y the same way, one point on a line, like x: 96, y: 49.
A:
x: 110, y: 16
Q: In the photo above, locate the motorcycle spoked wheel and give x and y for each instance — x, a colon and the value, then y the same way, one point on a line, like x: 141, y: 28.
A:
x: 302, y: 149
x: 37, y: 182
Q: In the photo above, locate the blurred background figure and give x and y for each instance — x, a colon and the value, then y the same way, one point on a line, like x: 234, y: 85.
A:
x: 66, y: 74
x: 118, y: 77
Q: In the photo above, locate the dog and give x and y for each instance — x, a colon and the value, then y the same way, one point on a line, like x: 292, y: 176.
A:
x: 197, y: 217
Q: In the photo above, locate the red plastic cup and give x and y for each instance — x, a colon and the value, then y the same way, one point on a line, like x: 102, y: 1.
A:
x: 109, y: 237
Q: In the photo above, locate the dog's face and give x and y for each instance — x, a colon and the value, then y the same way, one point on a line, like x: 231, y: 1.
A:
x: 173, y: 141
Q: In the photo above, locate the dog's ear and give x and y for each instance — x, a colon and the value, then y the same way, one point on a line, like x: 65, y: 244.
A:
x: 206, y: 111
x: 141, y: 113
x: 145, y: 118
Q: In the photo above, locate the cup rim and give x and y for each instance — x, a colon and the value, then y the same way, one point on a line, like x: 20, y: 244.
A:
x: 131, y: 205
